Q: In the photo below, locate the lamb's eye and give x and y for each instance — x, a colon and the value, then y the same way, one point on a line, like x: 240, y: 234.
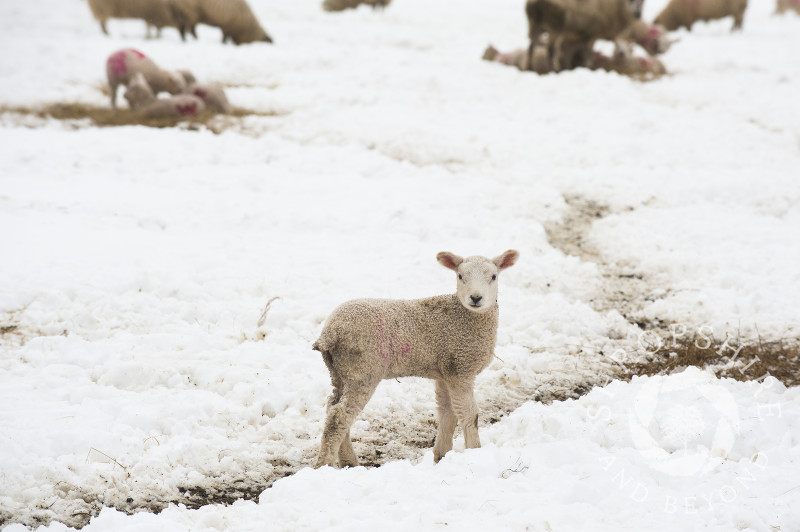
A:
x: 459, y: 276
x: 494, y: 277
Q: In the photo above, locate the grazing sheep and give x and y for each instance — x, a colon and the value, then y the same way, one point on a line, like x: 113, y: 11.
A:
x: 448, y: 338
x: 787, y: 5
x: 156, y: 13
x: 340, y: 5
x: 686, y: 12
x: 233, y: 17
x: 142, y: 100
x: 574, y: 25
x: 122, y: 65
x: 519, y: 59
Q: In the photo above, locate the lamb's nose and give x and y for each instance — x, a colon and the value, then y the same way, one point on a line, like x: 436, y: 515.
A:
x: 475, y: 299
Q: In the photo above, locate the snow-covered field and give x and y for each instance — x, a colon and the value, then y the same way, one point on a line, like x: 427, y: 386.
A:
x: 137, y: 263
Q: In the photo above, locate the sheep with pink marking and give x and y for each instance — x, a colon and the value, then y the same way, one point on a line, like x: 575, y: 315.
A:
x: 145, y: 104
x: 449, y: 339
x: 123, y: 65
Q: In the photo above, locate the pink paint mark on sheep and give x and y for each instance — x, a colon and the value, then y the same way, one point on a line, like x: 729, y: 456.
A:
x: 116, y: 63
x: 405, y: 349
x: 795, y: 2
x: 187, y: 108
x: 200, y: 93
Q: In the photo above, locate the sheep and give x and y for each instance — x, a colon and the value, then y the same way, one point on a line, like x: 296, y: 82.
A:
x: 122, y: 65
x: 636, y: 67
x: 142, y: 100
x: 519, y: 58
x: 340, y: 5
x: 213, y: 96
x: 574, y: 25
x: 156, y: 13
x: 686, y: 12
x: 787, y: 5
x: 233, y: 17
x: 447, y: 338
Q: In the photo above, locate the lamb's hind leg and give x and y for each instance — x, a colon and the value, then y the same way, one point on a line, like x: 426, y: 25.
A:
x: 337, y: 425
x: 447, y: 422
x: 462, y: 398
x: 347, y: 456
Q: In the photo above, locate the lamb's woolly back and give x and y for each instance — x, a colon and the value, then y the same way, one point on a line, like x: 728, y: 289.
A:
x: 678, y: 13
x: 234, y: 18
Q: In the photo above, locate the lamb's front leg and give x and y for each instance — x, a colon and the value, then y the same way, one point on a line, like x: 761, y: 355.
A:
x: 447, y: 422
x: 462, y: 399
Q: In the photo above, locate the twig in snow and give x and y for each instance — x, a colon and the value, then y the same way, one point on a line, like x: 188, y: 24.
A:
x: 263, y: 317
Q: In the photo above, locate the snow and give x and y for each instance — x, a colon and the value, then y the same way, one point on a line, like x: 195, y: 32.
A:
x: 137, y: 262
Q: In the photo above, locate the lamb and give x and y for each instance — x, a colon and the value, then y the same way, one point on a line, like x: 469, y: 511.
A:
x: 122, y: 65
x: 213, y: 96
x: 340, y: 5
x: 787, y: 5
x: 233, y: 17
x: 145, y: 104
x: 574, y: 25
x: 519, y: 59
x: 643, y: 68
x: 449, y: 338
x: 686, y: 12
x: 156, y: 13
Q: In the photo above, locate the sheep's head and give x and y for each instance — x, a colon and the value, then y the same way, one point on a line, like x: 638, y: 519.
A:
x: 175, y: 83
x: 477, y: 277
x: 139, y: 92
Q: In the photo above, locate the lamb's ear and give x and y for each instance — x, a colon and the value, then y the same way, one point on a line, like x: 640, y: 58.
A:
x: 506, y: 260
x: 449, y: 260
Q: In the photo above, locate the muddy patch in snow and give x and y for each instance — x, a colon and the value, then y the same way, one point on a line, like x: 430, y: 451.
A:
x: 81, y: 115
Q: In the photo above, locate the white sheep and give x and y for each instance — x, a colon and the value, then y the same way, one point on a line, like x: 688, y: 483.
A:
x: 212, y: 94
x: 145, y: 104
x: 449, y: 338
x: 156, y: 13
x: 679, y: 13
x: 123, y: 65
x: 233, y: 17
x: 787, y: 5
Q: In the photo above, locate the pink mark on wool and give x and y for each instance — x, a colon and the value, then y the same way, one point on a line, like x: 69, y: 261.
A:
x: 405, y: 349
x: 652, y: 35
x: 187, y: 108
x: 200, y: 93
x: 646, y: 63
x: 116, y: 63
x: 795, y: 2
x: 137, y: 53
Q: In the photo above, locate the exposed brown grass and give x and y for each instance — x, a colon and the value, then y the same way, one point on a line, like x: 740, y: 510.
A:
x: 743, y: 359
x: 107, y: 117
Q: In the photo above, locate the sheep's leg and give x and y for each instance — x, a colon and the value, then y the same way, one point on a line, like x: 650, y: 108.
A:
x: 463, y: 401
x: 347, y: 456
x: 112, y: 87
x: 103, y: 27
x: 447, y: 422
x: 340, y: 416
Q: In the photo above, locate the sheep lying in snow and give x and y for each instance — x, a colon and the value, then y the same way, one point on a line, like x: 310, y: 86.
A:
x: 156, y: 13
x: 123, y: 65
x: 686, y: 12
x: 233, y: 17
x: 574, y: 25
x: 787, y: 5
x: 519, y: 59
x: 212, y: 94
x: 636, y: 67
x: 144, y: 102
x: 340, y: 5
x: 448, y: 338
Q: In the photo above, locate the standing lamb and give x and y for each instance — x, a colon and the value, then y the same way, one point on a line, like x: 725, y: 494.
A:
x: 686, y: 12
x: 787, y: 5
x: 122, y: 65
x: 156, y: 13
x: 145, y: 104
x: 448, y: 338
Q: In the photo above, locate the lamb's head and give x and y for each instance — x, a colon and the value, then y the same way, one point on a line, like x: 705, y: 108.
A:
x: 477, y: 277
x: 139, y: 92
x: 176, y: 83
